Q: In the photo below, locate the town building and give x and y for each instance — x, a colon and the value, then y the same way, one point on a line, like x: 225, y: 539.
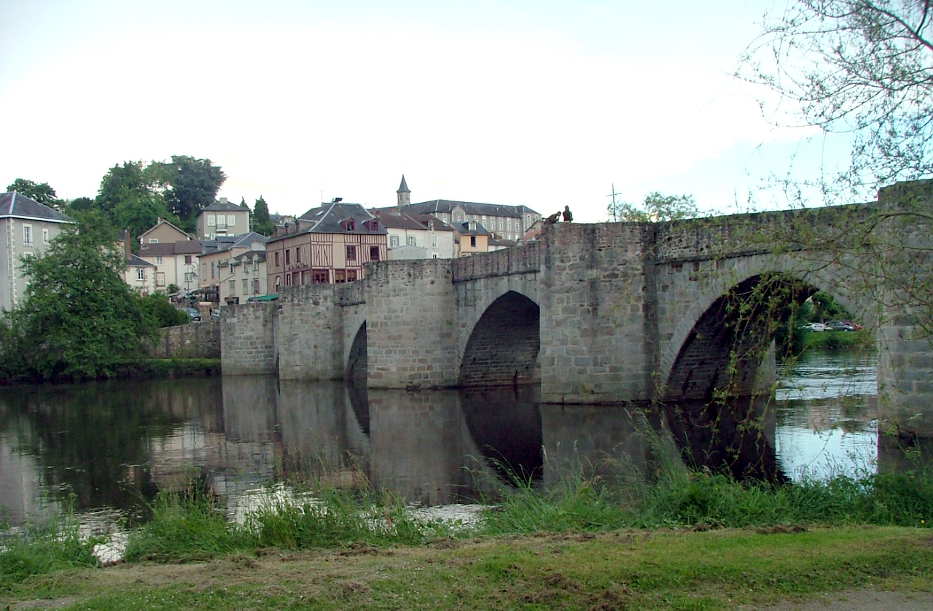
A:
x: 472, y: 238
x: 329, y: 244
x: 248, y: 277
x: 163, y: 232
x: 416, y: 236
x: 504, y: 221
x: 216, y: 277
x: 175, y: 263
x: 26, y: 228
x: 140, y: 275
x: 222, y: 218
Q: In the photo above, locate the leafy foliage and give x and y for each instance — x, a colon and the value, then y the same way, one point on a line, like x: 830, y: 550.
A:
x: 41, y: 192
x: 160, y: 310
x: 262, y: 223
x: 656, y: 207
x: 860, y: 67
x: 189, y: 185
x: 78, y: 317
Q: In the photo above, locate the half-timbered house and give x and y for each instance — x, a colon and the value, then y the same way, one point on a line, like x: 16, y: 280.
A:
x: 329, y: 244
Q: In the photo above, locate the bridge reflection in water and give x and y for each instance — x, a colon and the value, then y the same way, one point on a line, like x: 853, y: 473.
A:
x: 114, y: 445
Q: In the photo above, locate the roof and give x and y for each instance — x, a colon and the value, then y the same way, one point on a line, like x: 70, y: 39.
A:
x: 164, y: 222
x: 330, y: 218
x: 403, y: 187
x: 446, y: 205
x: 17, y: 205
x: 258, y: 255
x: 393, y: 219
x: 223, y: 207
x: 134, y: 261
x: 464, y: 229
x: 223, y: 243
x: 182, y: 247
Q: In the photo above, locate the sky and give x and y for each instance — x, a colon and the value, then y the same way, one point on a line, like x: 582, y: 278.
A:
x: 542, y: 103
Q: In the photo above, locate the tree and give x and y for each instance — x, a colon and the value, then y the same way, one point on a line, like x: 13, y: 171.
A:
x: 656, y: 208
x: 42, y: 192
x: 860, y: 67
x: 78, y: 318
x: 262, y: 223
x: 129, y: 197
x: 189, y: 184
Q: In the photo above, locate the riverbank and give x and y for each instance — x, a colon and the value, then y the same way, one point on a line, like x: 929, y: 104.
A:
x: 632, y: 568
x: 134, y: 369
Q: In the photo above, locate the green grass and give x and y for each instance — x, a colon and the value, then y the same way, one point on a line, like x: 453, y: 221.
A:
x: 633, y: 569
x: 837, y: 341
x: 44, y: 548
x: 686, y: 499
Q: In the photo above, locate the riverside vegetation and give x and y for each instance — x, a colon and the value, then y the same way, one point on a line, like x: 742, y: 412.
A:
x: 679, y: 539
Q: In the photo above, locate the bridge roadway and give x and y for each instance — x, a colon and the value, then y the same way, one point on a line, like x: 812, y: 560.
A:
x: 617, y: 312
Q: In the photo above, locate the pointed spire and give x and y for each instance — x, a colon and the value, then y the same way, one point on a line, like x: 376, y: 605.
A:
x: 404, y: 194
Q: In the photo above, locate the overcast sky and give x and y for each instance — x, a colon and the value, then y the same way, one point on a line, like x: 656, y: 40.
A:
x: 542, y: 103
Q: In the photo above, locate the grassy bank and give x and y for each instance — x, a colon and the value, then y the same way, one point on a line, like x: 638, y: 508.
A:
x: 675, y: 541
x: 137, y: 368
x: 636, y: 569
x: 837, y: 341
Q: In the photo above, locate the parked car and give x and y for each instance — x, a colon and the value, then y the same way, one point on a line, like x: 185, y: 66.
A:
x: 839, y: 325
x: 193, y: 314
x: 815, y: 326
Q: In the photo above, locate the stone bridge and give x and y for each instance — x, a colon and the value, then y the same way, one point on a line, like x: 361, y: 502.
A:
x: 617, y: 312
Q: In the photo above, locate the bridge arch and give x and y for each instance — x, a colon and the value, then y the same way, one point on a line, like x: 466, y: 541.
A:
x: 503, y: 346
x: 357, y: 359
x: 699, y: 311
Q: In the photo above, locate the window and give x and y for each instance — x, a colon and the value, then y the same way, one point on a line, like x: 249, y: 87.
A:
x: 245, y: 285
x: 153, y: 240
x: 351, y: 275
x: 189, y: 277
x: 232, y: 287
x: 288, y: 279
x: 473, y: 241
x: 158, y: 260
x: 213, y: 268
x: 350, y: 225
x: 373, y: 253
x: 288, y: 257
x: 187, y: 259
x: 231, y: 220
x: 298, y: 255
x: 393, y: 241
x: 160, y: 278
x: 278, y: 282
x: 27, y: 235
x: 140, y: 273
x: 434, y: 240
x: 45, y: 236
x: 255, y: 286
x: 351, y: 254
x: 319, y: 276
x: 340, y: 276
x: 276, y: 258
x: 210, y: 220
x: 412, y: 241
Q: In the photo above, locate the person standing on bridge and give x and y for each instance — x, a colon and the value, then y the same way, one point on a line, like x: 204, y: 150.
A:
x: 568, y: 217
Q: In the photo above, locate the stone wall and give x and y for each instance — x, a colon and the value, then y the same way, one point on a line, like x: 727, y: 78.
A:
x: 410, y: 324
x: 308, y: 333
x: 247, y: 338
x: 193, y: 340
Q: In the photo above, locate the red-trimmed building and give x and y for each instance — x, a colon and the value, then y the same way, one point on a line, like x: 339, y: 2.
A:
x: 326, y: 245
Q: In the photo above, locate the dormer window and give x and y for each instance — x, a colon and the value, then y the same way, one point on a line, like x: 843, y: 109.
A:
x: 371, y: 226
x: 349, y: 225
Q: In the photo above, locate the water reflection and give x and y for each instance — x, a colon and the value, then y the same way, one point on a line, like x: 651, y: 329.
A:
x: 117, y: 444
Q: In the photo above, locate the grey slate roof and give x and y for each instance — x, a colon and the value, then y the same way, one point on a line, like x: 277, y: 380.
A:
x: 446, y: 205
x: 134, y: 261
x: 464, y: 229
x: 182, y: 247
x: 223, y: 207
x: 392, y: 219
x: 330, y: 218
x: 403, y: 187
x: 20, y: 206
x: 227, y: 242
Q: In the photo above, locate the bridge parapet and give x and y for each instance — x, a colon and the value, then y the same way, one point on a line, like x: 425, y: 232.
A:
x: 508, y: 262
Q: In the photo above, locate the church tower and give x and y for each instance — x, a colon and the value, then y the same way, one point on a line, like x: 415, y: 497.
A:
x: 404, y: 194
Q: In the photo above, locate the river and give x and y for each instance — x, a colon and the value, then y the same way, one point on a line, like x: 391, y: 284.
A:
x: 105, y: 449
